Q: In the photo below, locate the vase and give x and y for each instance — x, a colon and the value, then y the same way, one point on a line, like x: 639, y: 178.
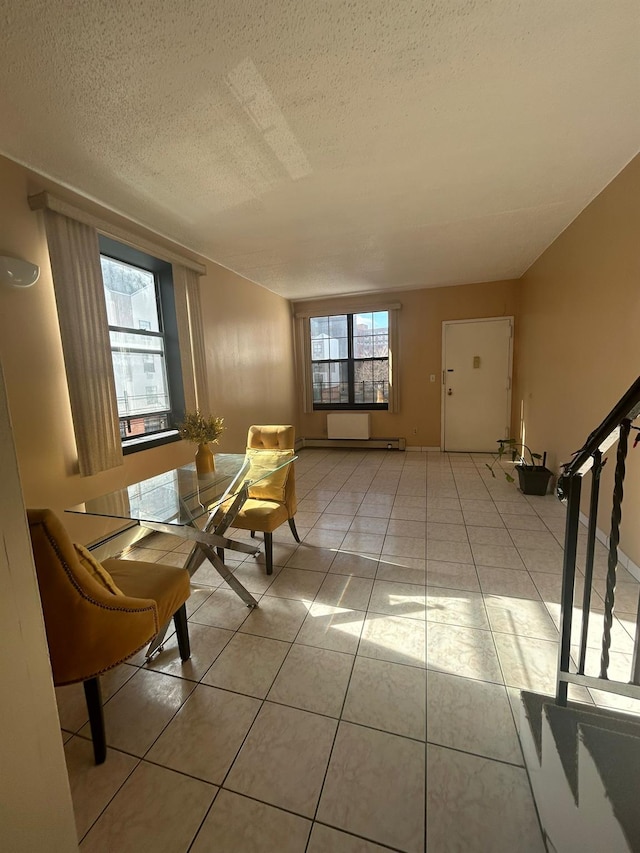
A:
x: 204, y: 460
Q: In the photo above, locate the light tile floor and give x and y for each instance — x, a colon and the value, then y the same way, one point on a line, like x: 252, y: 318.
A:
x: 370, y: 703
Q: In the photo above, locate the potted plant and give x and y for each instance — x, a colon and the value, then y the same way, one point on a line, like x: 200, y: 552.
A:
x: 533, y: 475
x: 202, y: 431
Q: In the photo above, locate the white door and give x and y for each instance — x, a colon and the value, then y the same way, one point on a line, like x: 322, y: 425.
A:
x: 476, y: 377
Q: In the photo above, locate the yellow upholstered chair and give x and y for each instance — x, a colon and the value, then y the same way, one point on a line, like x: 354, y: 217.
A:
x: 272, y: 501
x: 98, y: 615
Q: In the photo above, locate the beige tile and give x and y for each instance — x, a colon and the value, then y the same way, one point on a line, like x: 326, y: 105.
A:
x: 466, y: 805
x: 283, y: 547
x: 447, y: 531
x: 375, y: 787
x: 462, y: 651
x: 471, y: 715
x: 331, y: 627
x: 366, y: 524
x: 252, y: 576
x: 141, y: 709
x: 540, y: 560
x: 509, y: 615
x: 248, y: 665
x: 453, y: 552
x: 311, y: 558
x: 489, y: 536
x: 539, y: 540
x: 363, y: 543
x: 476, y: 518
x: 393, y: 638
x: 203, y: 738
x: 411, y: 513
x: 142, y: 816
x: 401, y: 569
x: 72, y: 705
x: 511, y: 582
x: 456, y: 607
x: 332, y: 521
x: 398, y: 599
x: 404, y: 546
x: 313, y: 679
x: 284, y: 758
x: 223, y: 609
x: 325, y: 838
x: 199, y: 594
x: 452, y: 575
x: 297, y: 583
x: 345, y: 591
x: 497, y: 556
x: 93, y: 786
x: 364, y: 566
x: 206, y: 644
x: 528, y: 663
x: 387, y: 696
x: 413, y: 529
x: 236, y: 824
x: 278, y: 618
x: 324, y: 538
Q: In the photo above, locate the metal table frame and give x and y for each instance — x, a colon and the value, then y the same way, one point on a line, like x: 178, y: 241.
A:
x: 208, y: 539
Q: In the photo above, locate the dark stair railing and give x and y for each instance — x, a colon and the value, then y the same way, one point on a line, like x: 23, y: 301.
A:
x: 615, y: 427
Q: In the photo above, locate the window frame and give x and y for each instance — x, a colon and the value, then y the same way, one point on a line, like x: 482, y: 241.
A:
x: 351, y: 360
x: 165, y: 300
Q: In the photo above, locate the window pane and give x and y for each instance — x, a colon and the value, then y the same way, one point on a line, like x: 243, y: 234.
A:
x: 329, y: 337
x: 128, y: 340
x: 130, y: 294
x: 135, y: 392
x: 330, y: 382
x: 371, y: 382
x: 371, y: 335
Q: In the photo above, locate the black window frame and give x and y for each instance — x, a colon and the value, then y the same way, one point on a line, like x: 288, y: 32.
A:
x: 350, y: 361
x: 163, y: 276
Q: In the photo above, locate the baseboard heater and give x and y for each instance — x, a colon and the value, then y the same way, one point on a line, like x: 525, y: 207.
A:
x: 352, y: 429
x: 372, y: 443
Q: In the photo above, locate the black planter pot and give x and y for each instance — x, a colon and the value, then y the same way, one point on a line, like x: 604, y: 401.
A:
x: 533, y: 479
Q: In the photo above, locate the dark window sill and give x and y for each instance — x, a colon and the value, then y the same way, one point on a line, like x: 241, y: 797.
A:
x: 365, y: 407
x: 133, y: 445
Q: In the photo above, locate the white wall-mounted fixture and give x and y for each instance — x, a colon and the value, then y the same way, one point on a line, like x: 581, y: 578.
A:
x: 18, y: 273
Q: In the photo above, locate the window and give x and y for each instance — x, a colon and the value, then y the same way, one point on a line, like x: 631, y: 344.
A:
x: 144, y: 343
x: 350, y: 360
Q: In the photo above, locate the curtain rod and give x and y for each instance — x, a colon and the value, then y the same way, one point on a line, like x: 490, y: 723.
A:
x: 47, y: 201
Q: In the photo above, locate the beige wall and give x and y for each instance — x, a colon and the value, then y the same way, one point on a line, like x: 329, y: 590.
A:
x: 249, y: 357
x: 578, y: 337
x: 420, y: 342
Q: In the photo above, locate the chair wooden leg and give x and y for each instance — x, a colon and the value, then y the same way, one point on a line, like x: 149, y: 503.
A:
x: 253, y: 534
x: 268, y: 552
x: 93, y: 695
x: 182, y: 632
x: 292, y: 525
x: 220, y: 552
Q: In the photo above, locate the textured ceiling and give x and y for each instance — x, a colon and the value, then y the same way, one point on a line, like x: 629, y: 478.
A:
x: 324, y: 147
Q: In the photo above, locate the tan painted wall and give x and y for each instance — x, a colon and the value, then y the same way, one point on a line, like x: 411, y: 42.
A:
x: 249, y: 355
x: 578, y: 341
x: 420, y: 340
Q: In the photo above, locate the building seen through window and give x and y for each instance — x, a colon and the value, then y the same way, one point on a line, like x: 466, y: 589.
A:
x: 137, y: 309
x: 350, y: 360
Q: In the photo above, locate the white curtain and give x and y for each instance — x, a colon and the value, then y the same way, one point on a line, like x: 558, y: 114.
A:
x: 193, y: 355
x: 82, y: 315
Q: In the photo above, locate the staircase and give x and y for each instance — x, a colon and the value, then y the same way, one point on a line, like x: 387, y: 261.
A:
x: 584, y: 761
x: 584, y: 766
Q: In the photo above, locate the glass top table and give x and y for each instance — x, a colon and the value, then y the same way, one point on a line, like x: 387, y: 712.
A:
x: 175, y: 497
x: 198, y: 507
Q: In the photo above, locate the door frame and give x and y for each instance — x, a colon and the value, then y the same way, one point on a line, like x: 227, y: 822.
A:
x: 443, y: 401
